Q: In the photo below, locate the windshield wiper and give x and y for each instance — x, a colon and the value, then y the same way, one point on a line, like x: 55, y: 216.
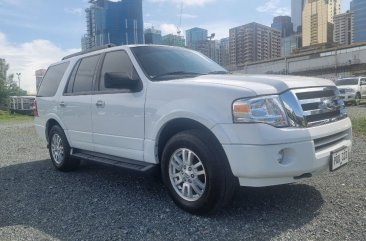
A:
x: 174, y: 73
x: 219, y: 72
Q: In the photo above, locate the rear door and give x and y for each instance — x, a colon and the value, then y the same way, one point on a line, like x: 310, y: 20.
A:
x: 118, y: 113
x: 75, y: 104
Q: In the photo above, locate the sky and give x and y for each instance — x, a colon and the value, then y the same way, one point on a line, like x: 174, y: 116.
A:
x: 36, y: 33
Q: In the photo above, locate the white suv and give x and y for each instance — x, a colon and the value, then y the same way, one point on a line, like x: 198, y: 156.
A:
x: 207, y: 130
x: 352, y: 89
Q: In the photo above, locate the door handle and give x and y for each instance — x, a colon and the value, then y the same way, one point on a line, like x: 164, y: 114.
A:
x: 62, y: 104
x: 100, y: 104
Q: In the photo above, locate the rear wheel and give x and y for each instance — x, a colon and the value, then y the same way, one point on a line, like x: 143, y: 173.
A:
x: 197, y: 173
x: 59, y: 149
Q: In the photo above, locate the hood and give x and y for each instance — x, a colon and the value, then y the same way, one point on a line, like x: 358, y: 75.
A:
x: 261, y: 84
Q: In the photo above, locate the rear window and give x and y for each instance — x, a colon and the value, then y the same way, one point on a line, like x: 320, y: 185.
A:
x: 52, y: 80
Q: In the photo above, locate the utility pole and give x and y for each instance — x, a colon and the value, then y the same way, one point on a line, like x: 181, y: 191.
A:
x: 18, y: 74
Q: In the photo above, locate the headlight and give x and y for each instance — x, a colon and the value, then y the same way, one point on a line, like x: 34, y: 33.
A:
x: 349, y: 90
x: 267, y: 109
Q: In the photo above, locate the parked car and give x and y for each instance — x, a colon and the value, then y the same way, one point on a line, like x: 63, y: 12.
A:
x: 208, y: 131
x: 21, y: 104
x: 352, y: 90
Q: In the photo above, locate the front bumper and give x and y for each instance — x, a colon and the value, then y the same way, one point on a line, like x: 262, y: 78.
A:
x: 254, y: 151
x: 348, y: 97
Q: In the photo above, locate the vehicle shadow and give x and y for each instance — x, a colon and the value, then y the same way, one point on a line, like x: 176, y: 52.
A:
x: 104, y: 203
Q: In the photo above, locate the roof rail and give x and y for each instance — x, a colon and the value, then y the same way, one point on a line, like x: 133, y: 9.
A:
x: 89, y: 51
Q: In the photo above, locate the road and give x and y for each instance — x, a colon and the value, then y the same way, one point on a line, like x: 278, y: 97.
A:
x: 104, y: 203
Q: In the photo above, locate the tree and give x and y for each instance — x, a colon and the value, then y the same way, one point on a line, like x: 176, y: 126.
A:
x: 3, y: 85
x: 8, y: 86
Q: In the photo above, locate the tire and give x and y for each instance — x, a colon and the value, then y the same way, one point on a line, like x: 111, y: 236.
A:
x: 203, y: 183
x: 59, y: 150
x: 357, y: 99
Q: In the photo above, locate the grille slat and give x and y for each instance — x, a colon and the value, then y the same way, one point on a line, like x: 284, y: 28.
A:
x: 330, y: 140
x: 314, y: 106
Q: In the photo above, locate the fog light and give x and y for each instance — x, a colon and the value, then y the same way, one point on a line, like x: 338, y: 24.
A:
x: 281, y: 157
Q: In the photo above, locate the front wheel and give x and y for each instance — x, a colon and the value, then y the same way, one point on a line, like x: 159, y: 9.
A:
x: 357, y: 99
x: 197, y: 173
x: 59, y: 149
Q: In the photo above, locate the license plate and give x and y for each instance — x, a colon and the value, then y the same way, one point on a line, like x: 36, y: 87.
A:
x: 338, y: 159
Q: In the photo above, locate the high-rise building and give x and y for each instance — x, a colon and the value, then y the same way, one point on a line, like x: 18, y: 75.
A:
x: 210, y: 48
x: 297, y: 6
x: 358, y: 9
x: 343, y: 28
x: 317, y: 21
x: 116, y: 23
x: 195, y: 37
x: 284, y: 25
x: 225, y: 52
x: 153, y: 36
x: 174, y: 40
x: 290, y: 43
x: 253, y: 42
x: 85, y: 42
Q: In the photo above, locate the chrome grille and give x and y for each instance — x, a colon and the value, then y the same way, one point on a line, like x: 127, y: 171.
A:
x: 330, y: 140
x: 313, y: 106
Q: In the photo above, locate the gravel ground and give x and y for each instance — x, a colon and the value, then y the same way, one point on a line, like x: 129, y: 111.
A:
x: 104, y: 203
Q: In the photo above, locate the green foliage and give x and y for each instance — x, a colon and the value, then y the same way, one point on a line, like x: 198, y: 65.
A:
x: 6, y: 117
x: 8, y: 86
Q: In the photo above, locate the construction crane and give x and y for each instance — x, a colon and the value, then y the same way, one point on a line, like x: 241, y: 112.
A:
x: 180, y: 19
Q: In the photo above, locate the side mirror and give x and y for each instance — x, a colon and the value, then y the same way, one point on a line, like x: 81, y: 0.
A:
x: 121, y: 80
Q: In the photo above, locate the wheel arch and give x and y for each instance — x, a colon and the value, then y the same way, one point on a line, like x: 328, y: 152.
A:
x: 178, y: 125
x: 50, y: 123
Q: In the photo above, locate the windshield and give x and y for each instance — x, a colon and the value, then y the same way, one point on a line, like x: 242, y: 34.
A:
x: 346, y: 82
x: 165, y: 63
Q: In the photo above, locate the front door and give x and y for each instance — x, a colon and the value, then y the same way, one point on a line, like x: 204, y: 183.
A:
x: 117, y: 112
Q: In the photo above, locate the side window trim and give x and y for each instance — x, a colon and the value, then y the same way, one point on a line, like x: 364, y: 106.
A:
x: 97, y: 80
x: 71, y: 80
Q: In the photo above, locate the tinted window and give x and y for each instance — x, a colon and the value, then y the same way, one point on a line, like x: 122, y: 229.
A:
x: 52, y: 80
x: 85, y: 74
x: 164, y: 63
x: 117, y: 62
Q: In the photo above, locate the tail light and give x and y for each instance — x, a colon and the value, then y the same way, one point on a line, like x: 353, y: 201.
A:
x: 35, y: 109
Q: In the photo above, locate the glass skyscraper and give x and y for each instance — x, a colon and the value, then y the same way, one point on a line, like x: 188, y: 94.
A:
x: 116, y: 23
x: 195, y: 37
x: 358, y: 8
x: 284, y: 25
x: 297, y: 6
x: 153, y: 36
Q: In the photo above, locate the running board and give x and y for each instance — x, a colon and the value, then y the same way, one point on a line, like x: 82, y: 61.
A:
x: 112, y: 160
